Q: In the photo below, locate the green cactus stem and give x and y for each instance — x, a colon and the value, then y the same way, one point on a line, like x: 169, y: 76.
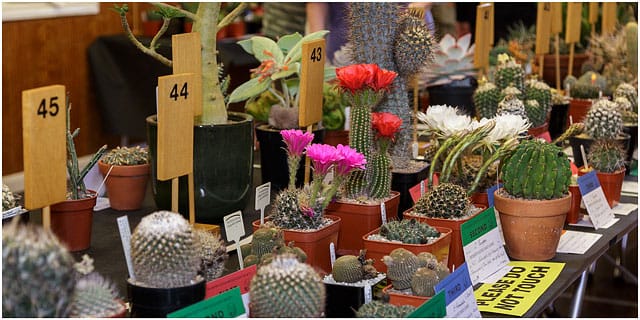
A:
x: 360, y: 138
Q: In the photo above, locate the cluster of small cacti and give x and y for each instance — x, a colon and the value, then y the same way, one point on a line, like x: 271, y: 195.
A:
x: 606, y: 156
x: 268, y: 241
x: 401, y: 265
x: 350, y: 269
x: 289, y: 211
x: 626, y: 97
x: 536, y: 170
x: 509, y: 73
x: 288, y: 288
x: 380, y: 309
x: 446, y: 200
x: 126, y: 156
x: 212, y: 252
x: 95, y: 297
x: 8, y: 198
x: 486, y: 99
x: 164, y: 251
x: 38, y: 278
x: 603, y: 120
x: 409, y: 231
x: 420, y: 273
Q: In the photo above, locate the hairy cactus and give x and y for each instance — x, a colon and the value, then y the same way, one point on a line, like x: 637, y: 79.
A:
x: 509, y: 73
x: 535, y: 112
x: 486, y: 99
x: 164, y: 251
x: 606, y: 156
x: 350, y: 269
x: 379, y: 309
x: 9, y: 200
x: 95, y: 297
x: 37, y: 273
x: 213, y: 254
x: 287, y: 288
x: 626, y: 110
x: 536, y: 170
x: 401, y: 265
x: 126, y: 156
x: 446, y: 200
x: 424, y: 281
x: 603, y: 121
x: 628, y: 91
x: 409, y: 231
x: 511, y: 104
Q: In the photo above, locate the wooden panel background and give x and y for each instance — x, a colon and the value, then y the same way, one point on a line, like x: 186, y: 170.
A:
x: 42, y: 52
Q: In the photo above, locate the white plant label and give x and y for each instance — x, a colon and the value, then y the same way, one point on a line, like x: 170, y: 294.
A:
x: 577, y: 242
x: 263, y: 197
x: 332, y: 253
x: 368, y: 294
x: 125, y: 237
x: 422, y: 187
x: 383, y: 212
x: 234, y: 228
x: 596, y: 203
x: 459, y: 298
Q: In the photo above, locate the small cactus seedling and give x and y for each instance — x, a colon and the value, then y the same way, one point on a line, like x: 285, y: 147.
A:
x: 126, y: 156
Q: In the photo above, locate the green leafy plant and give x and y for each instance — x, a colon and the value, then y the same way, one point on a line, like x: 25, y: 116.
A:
x: 126, y: 156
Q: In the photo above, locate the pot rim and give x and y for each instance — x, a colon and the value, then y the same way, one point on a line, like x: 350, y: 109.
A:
x: 244, y: 117
x: 536, y: 207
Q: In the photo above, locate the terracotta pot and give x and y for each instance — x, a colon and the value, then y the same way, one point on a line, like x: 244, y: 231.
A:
x: 399, y: 299
x: 188, y: 26
x: 539, y: 131
x: 335, y: 137
x: 574, y: 214
x: 480, y: 199
x: 358, y: 219
x: 611, y: 184
x: 578, y: 109
x: 532, y: 228
x: 549, y: 71
x: 71, y: 221
x: 378, y: 249
x: 122, y: 313
x: 222, y: 33
x: 456, y: 255
x: 126, y: 185
x: 314, y: 243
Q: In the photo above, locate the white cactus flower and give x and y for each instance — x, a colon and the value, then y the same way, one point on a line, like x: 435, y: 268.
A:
x: 507, y: 126
x: 444, y: 120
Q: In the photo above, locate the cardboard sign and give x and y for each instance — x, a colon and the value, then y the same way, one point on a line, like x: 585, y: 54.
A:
x: 44, y: 135
x: 609, y: 17
x: 311, y: 81
x: 574, y: 19
x: 543, y: 27
x: 519, y: 289
x: 461, y: 303
x: 226, y: 305
x: 175, y: 125
x: 594, y: 200
x: 483, y: 34
x: 187, y: 58
x: 433, y: 308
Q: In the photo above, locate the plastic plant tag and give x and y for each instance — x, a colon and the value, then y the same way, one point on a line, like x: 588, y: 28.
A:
x: 125, y: 237
x: 418, y: 190
x: 596, y: 203
x: 490, y: 192
x: 234, y: 227
x: 263, y: 198
x: 459, y: 297
x: 383, y: 212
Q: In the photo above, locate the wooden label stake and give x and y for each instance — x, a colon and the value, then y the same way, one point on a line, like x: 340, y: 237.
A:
x: 593, y: 16
x: 572, y: 34
x: 556, y: 29
x: 483, y: 34
x: 187, y: 58
x: 609, y: 17
x: 543, y: 32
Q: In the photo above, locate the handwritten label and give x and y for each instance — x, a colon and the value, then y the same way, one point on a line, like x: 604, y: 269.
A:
x: 125, y: 238
x: 234, y: 228
x: 433, y: 308
x: 482, y: 246
x: 594, y: 200
x: 459, y: 297
x: 226, y: 305
x: 263, y: 198
x: 332, y: 253
x: 576, y: 242
x: 383, y: 212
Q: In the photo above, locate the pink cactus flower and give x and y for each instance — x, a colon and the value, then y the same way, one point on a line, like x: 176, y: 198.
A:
x: 323, y: 157
x: 351, y: 160
x: 296, y: 140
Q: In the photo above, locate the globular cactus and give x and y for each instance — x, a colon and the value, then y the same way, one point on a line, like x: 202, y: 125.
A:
x: 486, y: 99
x: 287, y: 212
x: 413, y: 44
x: 350, y: 269
x: 409, y: 231
x: 603, y: 120
x: 38, y: 278
x: 287, y: 288
x: 446, y: 200
x: 426, y: 258
x: 401, y: 265
x: 540, y: 92
x: 588, y: 86
x: 126, y: 156
x: 379, y: 309
x: 511, y: 104
x: 265, y: 239
x: 606, y: 156
x: 626, y: 110
x: 536, y: 113
x: 95, y: 297
x: 628, y: 91
x: 424, y: 281
x: 164, y: 251
x: 212, y: 253
x: 536, y: 170
x: 569, y: 82
x: 291, y: 248
x: 509, y: 73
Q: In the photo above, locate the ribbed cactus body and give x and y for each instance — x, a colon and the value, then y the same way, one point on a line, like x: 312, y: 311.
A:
x: 287, y: 288
x: 486, y: 99
x: 379, y: 309
x: 537, y: 170
x: 212, y: 253
x: 164, y: 251
x: 347, y: 269
x: 360, y: 138
x: 401, y: 265
x: 37, y: 273
x: 426, y: 258
x: 413, y: 45
x: 603, y: 120
x: 540, y: 92
x: 536, y: 113
x: 409, y: 231
x: 606, y: 156
x: 265, y: 239
x: 510, y: 74
x: 95, y: 297
x: 424, y: 281
x: 446, y: 200
x: 381, y: 174
x: 631, y: 32
x: 582, y: 90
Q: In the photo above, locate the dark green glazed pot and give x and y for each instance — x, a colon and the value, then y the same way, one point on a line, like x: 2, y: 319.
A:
x: 222, y: 169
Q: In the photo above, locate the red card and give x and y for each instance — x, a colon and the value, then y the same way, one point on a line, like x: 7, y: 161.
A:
x: 241, y: 278
x: 415, y: 190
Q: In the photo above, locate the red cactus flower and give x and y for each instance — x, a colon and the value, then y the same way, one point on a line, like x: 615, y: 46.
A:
x: 386, y: 124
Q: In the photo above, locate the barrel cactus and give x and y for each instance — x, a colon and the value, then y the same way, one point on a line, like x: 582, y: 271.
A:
x: 541, y: 93
x: 606, y: 156
x: 287, y: 288
x: 401, y: 265
x: 164, y: 251
x: 509, y: 73
x: 603, y: 121
x: 212, y: 253
x: 38, y: 278
x: 379, y: 309
x: 409, y: 231
x: 424, y: 281
x: 536, y: 170
x: 350, y: 269
x: 446, y: 200
x: 95, y: 297
x: 486, y: 99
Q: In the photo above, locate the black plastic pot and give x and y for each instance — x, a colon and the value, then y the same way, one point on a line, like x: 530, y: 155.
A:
x: 158, y: 302
x: 454, y: 95
x: 273, y: 157
x: 222, y: 169
x: 558, y: 119
x: 402, y: 182
x: 342, y: 301
x: 586, y: 141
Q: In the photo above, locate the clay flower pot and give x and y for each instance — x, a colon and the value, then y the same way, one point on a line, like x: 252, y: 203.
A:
x: 578, y: 109
x: 574, y: 214
x: 611, y: 184
x: 71, y: 221
x: 399, y: 299
x: 358, y: 219
x: 539, y: 132
x: 126, y: 185
x: 531, y: 228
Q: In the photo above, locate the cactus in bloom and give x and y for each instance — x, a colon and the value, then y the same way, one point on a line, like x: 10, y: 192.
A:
x: 409, y: 231
x: 511, y: 104
x: 401, y: 265
x: 385, y: 126
x: 509, y: 73
x: 95, y: 297
x: 37, y: 273
x: 536, y: 170
x: 446, y: 200
x: 379, y: 309
x: 213, y: 254
x: 486, y: 99
x: 287, y: 214
x: 603, y: 121
x: 164, y: 251
x: 350, y: 269
x: 287, y: 288
x: 424, y: 281
x: 606, y: 156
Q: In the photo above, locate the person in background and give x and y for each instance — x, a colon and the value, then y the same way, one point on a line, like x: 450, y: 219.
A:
x: 282, y: 18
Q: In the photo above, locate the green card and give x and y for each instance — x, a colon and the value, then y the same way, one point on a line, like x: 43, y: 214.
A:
x: 225, y: 305
x: 434, y: 308
x: 478, y: 226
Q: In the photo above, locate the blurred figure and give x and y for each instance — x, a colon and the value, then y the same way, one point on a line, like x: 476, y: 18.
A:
x: 283, y: 18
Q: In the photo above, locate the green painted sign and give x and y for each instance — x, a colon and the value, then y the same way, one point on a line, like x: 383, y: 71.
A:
x: 434, y: 308
x: 478, y: 226
x: 225, y: 305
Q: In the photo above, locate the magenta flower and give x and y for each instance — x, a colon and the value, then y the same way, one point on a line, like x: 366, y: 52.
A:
x: 351, y: 159
x: 323, y: 157
x: 296, y: 140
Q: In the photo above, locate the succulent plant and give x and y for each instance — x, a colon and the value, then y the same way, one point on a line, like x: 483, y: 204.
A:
x: 603, y: 120
x: 267, y: 240
x: 287, y: 212
x: 9, y: 200
x: 628, y: 91
x: 38, y: 278
x: 350, y: 269
x: 536, y: 113
x: 509, y: 73
x: 424, y: 281
x: 453, y: 61
x: 573, y: 130
x: 409, y: 231
x: 164, y: 251
x: 540, y: 92
x: 511, y: 104
x: 626, y: 110
x: 486, y: 99
x: 401, y: 265
x: 212, y: 253
x: 446, y: 200
x: 536, y: 170
x: 631, y: 34
x: 287, y: 288
x: 379, y: 309
x: 126, y: 156
x: 95, y: 297
x: 606, y: 156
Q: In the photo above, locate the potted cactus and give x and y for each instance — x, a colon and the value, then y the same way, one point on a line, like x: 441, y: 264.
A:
x: 126, y: 170
x: 626, y: 98
x: 583, y: 92
x: 607, y: 158
x: 268, y: 241
x: 534, y: 200
x: 384, y: 309
x: 223, y: 141
x: 94, y: 296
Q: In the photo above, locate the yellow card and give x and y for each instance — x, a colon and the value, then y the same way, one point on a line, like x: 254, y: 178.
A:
x: 483, y: 33
x: 609, y: 17
x: 593, y: 12
x: 311, y: 80
x: 556, y: 17
x: 543, y: 27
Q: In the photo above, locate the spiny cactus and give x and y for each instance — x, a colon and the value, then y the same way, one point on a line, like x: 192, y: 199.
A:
x: 287, y: 212
x: 265, y: 239
x: 291, y: 248
x: 350, y: 268
x: 486, y: 99
x: 379, y: 309
x: 424, y: 281
x: 287, y: 288
x: 511, y: 104
x: 606, y: 156
x: 164, y: 251
x: 212, y: 252
x: 126, y: 156
x: 535, y: 112
x: 509, y: 73
x: 603, y: 121
x: 413, y: 44
x: 628, y: 91
x: 540, y: 92
x: 626, y: 110
x: 573, y: 130
x: 536, y: 170
x: 401, y: 265
x: 9, y: 200
x: 409, y: 231
x: 631, y: 33
x: 446, y: 200
x: 95, y: 297
x: 37, y: 273
x: 381, y: 174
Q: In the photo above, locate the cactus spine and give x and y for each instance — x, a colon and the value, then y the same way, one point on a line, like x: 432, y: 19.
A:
x: 409, y: 231
x: 606, y: 156
x: 628, y: 91
x: 603, y: 121
x: 446, y: 200
x: 381, y: 171
x: 486, y: 99
x: 424, y: 281
x: 509, y: 74
x: 401, y: 265
x: 379, y: 309
x: 213, y: 254
x: 360, y: 138
x: 95, y: 297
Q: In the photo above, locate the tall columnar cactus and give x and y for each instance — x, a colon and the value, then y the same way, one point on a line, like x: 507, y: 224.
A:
x: 287, y: 288
x: 446, y: 200
x: 509, y: 73
x: 511, y: 104
x: 603, y: 121
x: 212, y: 253
x: 401, y: 265
x: 95, y: 297
x: 361, y: 139
x: 379, y: 309
x: 486, y: 99
x: 628, y: 91
x: 350, y: 269
x: 37, y: 273
x: 164, y: 251
x: 631, y: 32
x: 409, y: 231
x: 385, y: 126
x: 606, y: 156
x: 382, y: 34
x: 536, y: 170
